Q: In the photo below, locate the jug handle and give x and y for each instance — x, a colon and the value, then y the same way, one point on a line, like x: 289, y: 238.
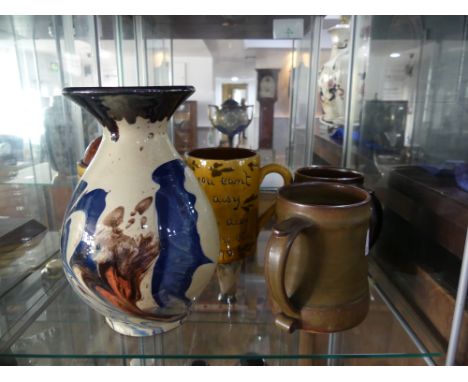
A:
x: 287, y: 179
x: 276, y: 256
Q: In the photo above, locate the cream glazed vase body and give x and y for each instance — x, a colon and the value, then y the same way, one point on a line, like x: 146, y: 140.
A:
x: 139, y: 239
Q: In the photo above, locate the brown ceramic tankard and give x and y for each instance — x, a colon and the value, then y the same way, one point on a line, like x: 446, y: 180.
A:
x: 344, y: 176
x: 315, y: 259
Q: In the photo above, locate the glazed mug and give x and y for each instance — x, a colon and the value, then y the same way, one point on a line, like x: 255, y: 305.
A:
x: 315, y: 259
x: 344, y: 176
x: 231, y: 179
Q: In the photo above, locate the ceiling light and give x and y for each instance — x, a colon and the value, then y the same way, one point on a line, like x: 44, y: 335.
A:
x: 234, y: 79
x: 394, y: 55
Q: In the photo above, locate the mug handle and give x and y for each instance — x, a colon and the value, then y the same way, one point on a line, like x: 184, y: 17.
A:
x: 276, y: 256
x: 376, y: 218
x: 287, y: 179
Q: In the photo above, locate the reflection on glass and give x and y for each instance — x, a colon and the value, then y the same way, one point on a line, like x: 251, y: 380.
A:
x: 220, y: 69
x: 411, y: 141
x: 185, y: 127
x: 301, y: 111
x: 326, y: 116
x: 231, y: 119
x: 333, y: 77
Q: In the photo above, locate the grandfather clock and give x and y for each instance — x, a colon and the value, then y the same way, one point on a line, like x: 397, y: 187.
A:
x: 267, y: 80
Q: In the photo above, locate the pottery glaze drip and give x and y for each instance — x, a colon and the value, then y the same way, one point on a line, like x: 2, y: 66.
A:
x: 139, y: 240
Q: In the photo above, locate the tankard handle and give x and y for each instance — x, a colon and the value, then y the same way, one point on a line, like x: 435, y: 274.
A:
x: 287, y: 179
x: 276, y: 256
x: 376, y: 218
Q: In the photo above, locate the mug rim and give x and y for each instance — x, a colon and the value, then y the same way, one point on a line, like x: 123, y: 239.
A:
x: 327, y: 185
x: 210, y: 153
x: 356, y: 175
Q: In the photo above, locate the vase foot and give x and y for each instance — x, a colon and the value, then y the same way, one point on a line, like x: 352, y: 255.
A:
x: 135, y: 330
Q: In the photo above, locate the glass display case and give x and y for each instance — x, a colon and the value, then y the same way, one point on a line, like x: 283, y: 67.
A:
x: 384, y: 95
x: 392, y: 93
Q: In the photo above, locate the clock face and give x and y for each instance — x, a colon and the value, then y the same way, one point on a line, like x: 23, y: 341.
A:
x: 267, y: 87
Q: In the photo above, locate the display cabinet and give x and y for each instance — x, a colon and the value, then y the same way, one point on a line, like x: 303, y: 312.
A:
x: 385, y: 95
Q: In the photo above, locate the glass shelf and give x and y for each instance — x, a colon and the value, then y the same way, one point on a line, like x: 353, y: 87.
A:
x: 18, y: 264
x: 45, y: 323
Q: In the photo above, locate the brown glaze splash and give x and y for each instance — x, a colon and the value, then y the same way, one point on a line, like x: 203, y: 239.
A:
x: 143, y: 222
x: 129, y: 223
x: 122, y: 265
x: 122, y: 275
x: 114, y: 218
x: 143, y: 205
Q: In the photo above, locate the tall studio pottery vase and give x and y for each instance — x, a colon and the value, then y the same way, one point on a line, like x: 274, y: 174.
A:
x: 139, y: 239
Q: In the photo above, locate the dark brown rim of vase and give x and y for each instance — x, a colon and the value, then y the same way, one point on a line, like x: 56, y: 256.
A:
x: 119, y: 90
x: 111, y: 104
x: 222, y: 153
x: 329, y: 173
x: 362, y: 196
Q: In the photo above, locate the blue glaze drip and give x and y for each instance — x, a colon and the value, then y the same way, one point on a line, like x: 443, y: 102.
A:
x: 180, y: 249
x: 81, y: 186
x: 92, y: 203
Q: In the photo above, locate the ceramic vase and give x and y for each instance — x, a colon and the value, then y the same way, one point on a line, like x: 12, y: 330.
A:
x: 333, y: 77
x: 139, y: 240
